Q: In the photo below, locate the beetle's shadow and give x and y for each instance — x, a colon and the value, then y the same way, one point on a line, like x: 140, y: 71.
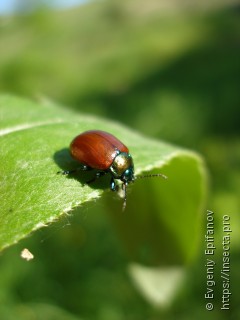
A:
x: 66, y: 163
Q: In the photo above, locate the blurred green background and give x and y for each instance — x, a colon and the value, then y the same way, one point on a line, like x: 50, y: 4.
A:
x: 168, y: 69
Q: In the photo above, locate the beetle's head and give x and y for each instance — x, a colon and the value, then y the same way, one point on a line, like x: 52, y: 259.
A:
x: 122, y: 167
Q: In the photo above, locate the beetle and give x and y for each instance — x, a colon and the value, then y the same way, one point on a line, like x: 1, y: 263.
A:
x: 100, y: 150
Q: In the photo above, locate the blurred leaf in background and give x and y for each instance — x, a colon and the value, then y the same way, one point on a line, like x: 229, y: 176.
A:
x: 169, y: 69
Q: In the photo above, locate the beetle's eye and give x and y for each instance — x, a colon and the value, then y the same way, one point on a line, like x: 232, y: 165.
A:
x: 128, y: 175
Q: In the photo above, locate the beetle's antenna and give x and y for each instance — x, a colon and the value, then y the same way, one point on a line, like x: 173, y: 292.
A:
x: 152, y: 176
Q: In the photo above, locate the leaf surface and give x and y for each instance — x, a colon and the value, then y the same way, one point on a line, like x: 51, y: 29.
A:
x: 34, y: 140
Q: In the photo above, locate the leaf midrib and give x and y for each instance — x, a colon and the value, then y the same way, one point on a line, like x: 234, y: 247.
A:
x: 28, y: 126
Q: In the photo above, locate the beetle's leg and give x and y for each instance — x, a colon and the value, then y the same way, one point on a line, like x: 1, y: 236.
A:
x: 67, y: 172
x: 113, y: 186
x: 85, y: 168
x: 82, y: 168
x: 97, y: 176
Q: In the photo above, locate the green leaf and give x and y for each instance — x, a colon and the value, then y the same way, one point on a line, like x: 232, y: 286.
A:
x: 34, y: 141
